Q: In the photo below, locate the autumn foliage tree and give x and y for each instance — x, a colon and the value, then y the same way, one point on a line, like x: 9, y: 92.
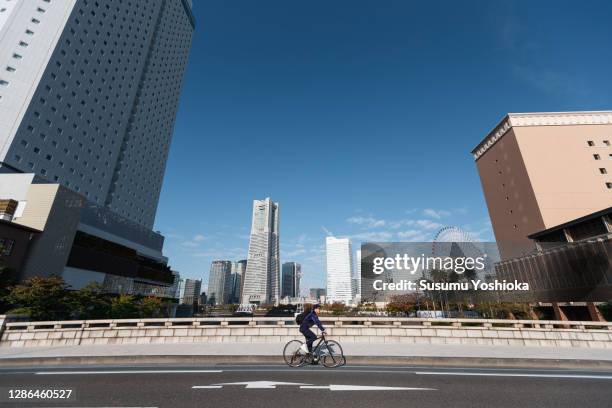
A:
x: 401, y: 304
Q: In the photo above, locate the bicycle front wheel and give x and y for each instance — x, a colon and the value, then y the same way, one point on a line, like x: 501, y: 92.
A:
x: 333, y: 356
x: 293, y: 355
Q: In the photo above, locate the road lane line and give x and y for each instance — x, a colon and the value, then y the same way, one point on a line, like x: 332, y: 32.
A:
x: 207, y: 386
x: 571, y: 376
x: 127, y: 372
x: 341, y: 387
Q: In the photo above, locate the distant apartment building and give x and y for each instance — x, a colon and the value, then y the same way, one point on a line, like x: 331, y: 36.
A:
x: 191, y: 292
x: 262, y: 277
x: 539, y: 170
x: 88, y: 98
x: 339, y: 269
x: 219, y: 282
x: 292, y: 273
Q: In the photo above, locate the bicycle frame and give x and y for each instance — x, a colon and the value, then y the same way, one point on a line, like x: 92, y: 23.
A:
x: 316, y: 348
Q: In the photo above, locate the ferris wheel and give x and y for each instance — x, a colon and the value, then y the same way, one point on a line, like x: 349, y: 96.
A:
x: 447, y: 236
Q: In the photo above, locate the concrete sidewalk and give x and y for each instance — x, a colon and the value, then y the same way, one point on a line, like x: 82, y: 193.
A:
x: 229, y: 353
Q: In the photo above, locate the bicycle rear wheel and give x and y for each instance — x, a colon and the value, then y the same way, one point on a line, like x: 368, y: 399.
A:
x: 332, y: 356
x: 293, y: 355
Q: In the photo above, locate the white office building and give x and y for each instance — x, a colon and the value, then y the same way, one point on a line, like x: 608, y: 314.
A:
x: 356, y: 281
x: 262, y: 277
x: 88, y: 95
x: 339, y: 270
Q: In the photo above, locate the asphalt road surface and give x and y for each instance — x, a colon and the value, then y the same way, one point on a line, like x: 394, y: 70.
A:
x: 269, y: 386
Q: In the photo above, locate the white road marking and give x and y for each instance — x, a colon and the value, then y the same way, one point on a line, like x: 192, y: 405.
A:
x: 339, y: 387
x: 126, y: 372
x: 207, y: 386
x: 262, y: 384
x: 573, y: 376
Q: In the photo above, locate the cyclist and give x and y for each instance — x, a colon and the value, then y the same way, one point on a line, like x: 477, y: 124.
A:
x: 310, y: 320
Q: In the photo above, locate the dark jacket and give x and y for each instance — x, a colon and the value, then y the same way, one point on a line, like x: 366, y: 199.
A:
x: 310, y: 320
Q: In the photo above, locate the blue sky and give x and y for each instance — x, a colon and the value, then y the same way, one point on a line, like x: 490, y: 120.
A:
x: 358, y: 116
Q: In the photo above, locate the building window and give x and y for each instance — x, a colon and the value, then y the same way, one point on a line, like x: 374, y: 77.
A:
x: 603, y: 170
x: 6, y: 246
x: 590, y: 143
x: 609, y: 185
x: 606, y: 142
x: 597, y: 157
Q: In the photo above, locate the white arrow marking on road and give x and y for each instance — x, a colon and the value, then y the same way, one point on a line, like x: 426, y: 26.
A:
x: 339, y: 387
x: 261, y: 384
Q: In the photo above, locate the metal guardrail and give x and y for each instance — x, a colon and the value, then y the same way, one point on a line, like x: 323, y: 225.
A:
x: 116, y: 324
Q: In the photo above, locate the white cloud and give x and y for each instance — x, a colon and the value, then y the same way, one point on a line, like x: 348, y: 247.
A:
x: 199, y: 238
x: 437, y: 214
x: 428, y: 224
x: 373, y: 236
x: 409, y: 234
x: 367, y: 222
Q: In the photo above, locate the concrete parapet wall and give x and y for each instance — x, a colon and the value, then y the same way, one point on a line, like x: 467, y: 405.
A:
x: 279, y: 330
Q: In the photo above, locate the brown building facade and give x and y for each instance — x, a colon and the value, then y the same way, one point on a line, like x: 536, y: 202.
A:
x: 540, y: 170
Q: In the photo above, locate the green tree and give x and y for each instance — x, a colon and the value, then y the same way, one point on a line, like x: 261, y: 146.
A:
x: 124, y: 307
x: 91, y: 302
x: 151, y: 306
x: 337, y: 308
x: 41, y: 298
x: 6, y: 281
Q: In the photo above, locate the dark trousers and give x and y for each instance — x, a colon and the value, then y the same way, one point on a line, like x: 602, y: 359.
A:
x: 310, y: 337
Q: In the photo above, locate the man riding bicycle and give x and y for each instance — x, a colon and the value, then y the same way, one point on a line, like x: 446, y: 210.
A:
x: 310, y: 320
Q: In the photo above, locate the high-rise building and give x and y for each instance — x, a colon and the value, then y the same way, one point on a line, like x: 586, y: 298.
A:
x: 219, y: 281
x: 356, y: 281
x: 238, y: 271
x: 88, y: 98
x: 292, y: 273
x: 339, y: 270
x: 89, y: 93
x: 262, y: 277
x: 191, y: 292
x: 540, y: 170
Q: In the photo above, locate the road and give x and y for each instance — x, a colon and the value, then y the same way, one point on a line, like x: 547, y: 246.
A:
x: 355, y: 387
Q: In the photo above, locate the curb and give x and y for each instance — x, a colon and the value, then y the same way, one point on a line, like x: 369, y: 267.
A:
x: 351, y: 360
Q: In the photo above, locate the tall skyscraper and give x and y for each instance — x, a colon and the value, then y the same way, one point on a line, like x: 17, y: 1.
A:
x: 191, y: 291
x: 292, y: 273
x: 219, y: 282
x: 238, y: 271
x: 89, y: 93
x: 339, y: 269
x: 262, y: 278
x: 540, y: 170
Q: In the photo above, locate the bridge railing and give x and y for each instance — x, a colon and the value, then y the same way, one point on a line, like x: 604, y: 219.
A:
x: 340, y: 321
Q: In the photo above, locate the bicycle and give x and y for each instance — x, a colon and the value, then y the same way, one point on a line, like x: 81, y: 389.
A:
x: 328, y: 352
